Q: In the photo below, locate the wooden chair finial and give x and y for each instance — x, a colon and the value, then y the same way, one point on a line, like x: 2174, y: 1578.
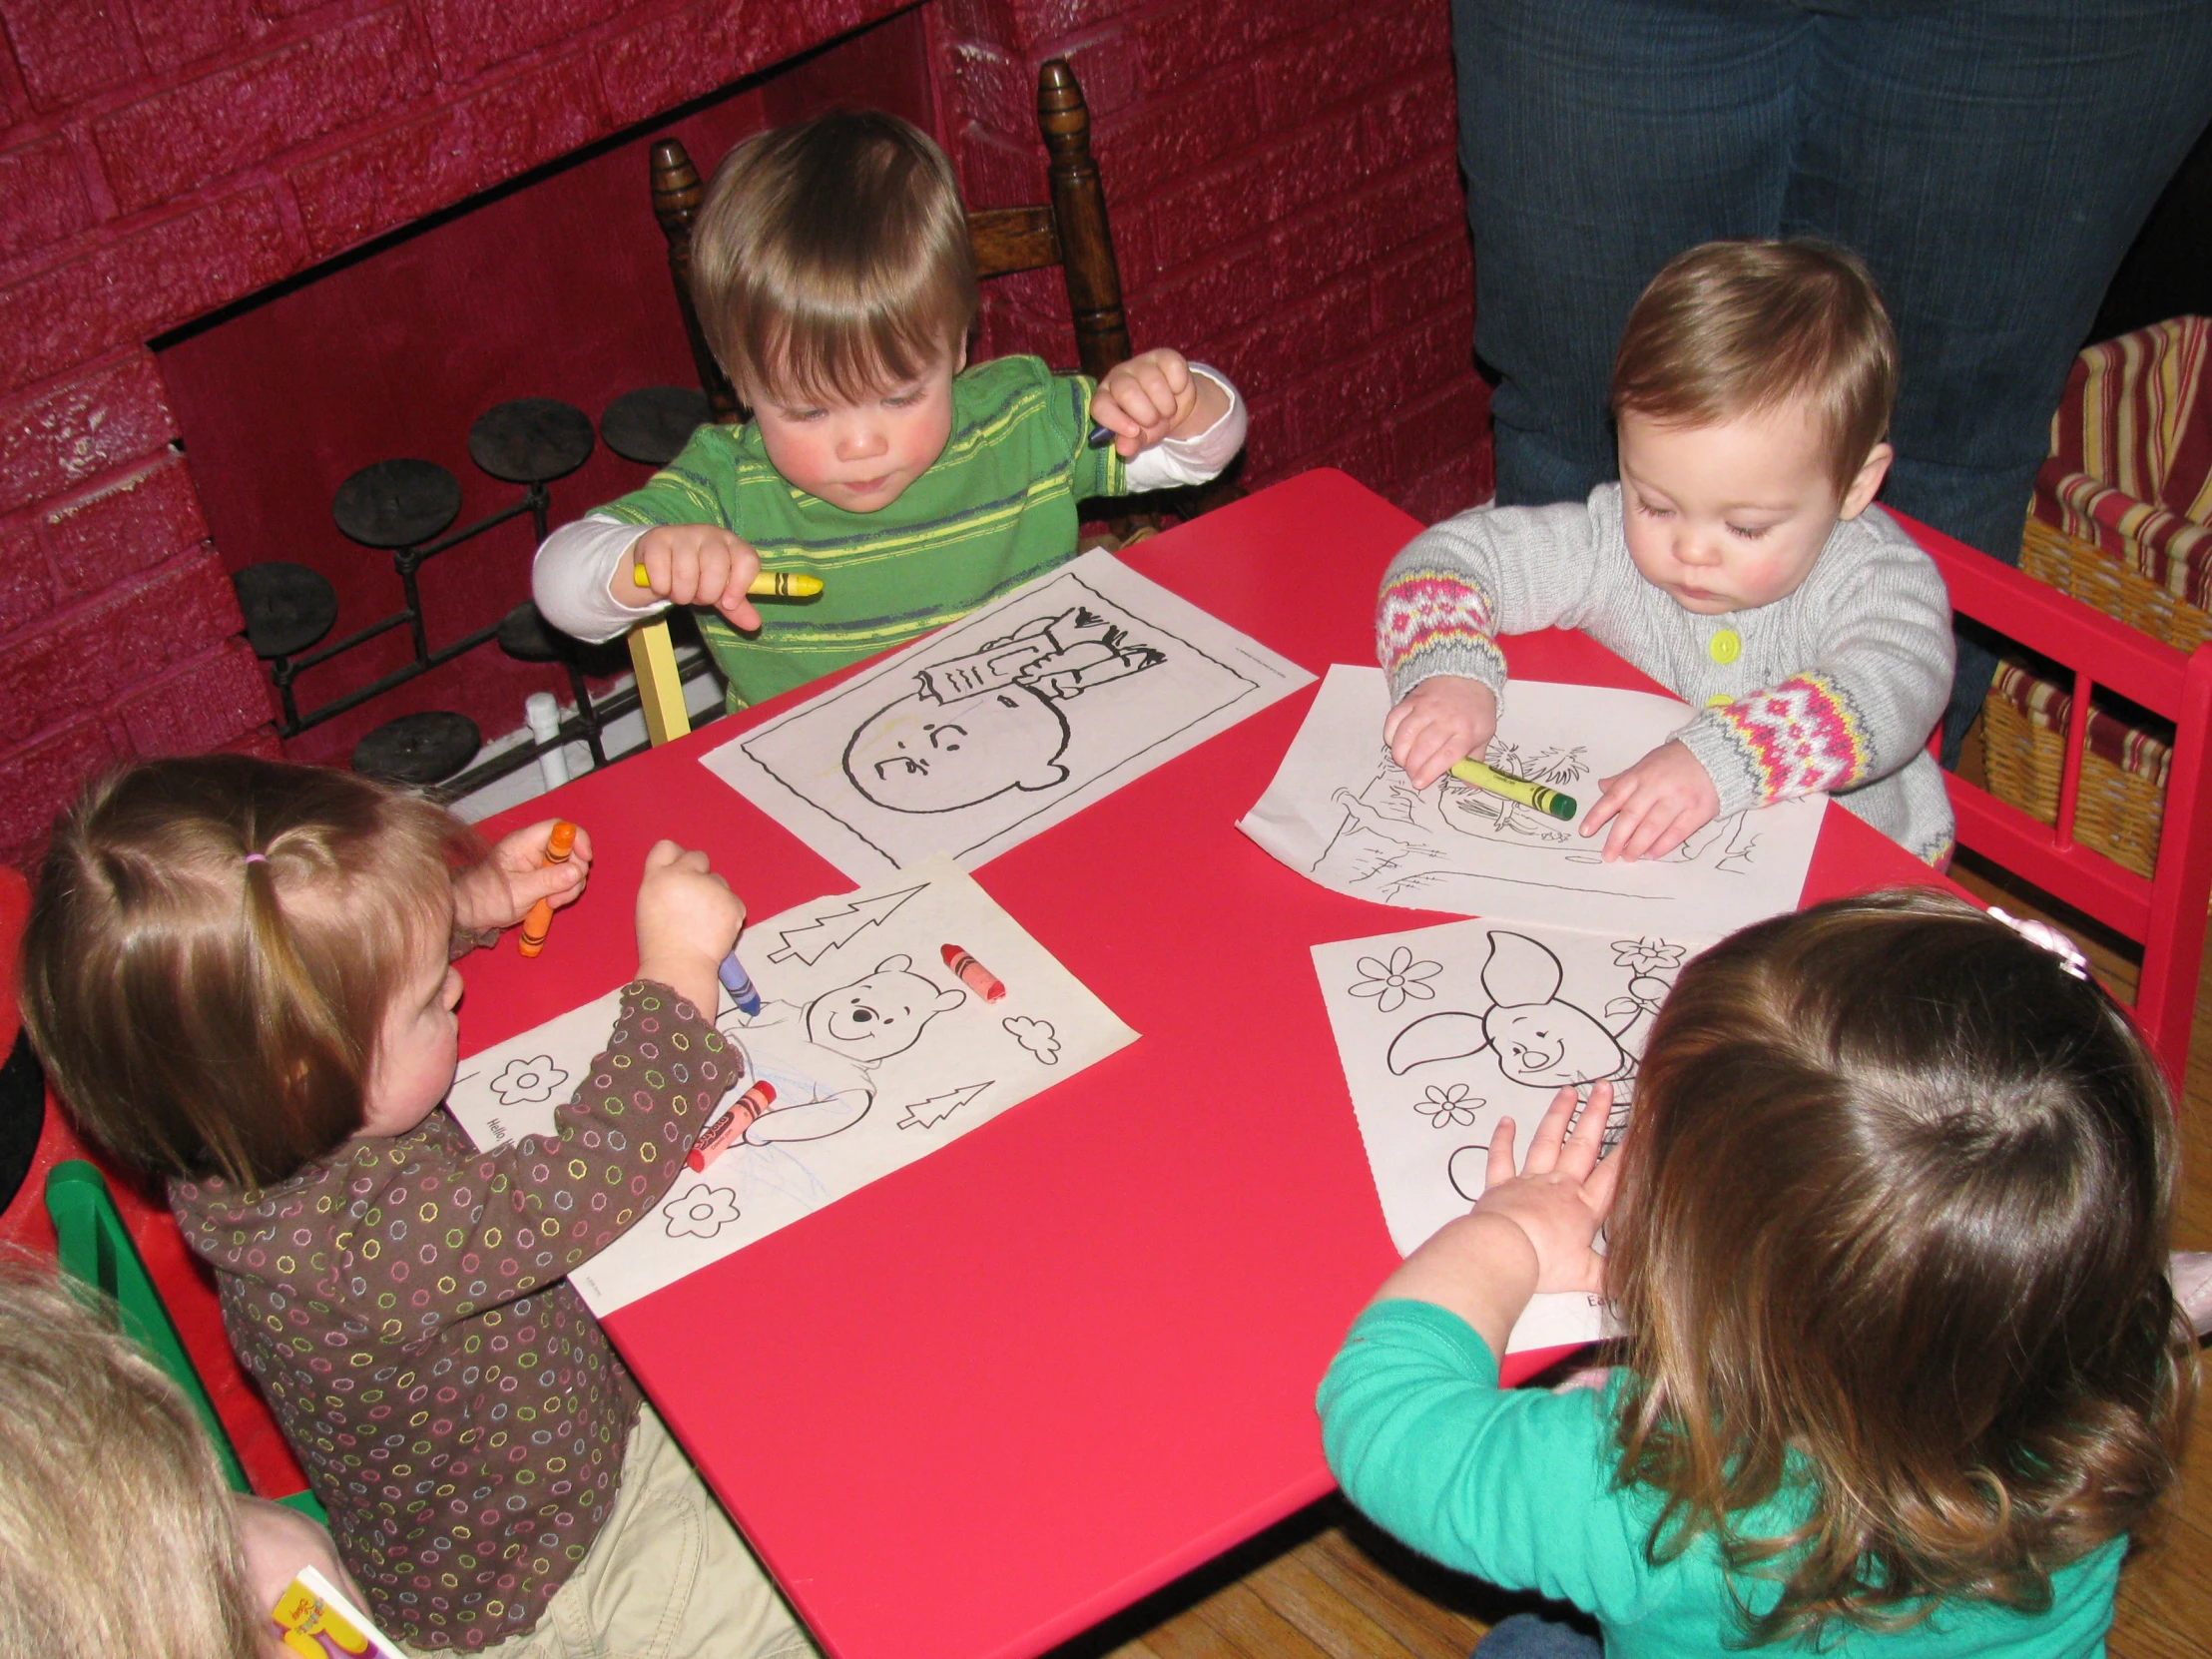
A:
x: 1079, y: 207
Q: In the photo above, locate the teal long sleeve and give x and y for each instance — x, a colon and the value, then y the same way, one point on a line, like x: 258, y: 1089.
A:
x: 1515, y: 1487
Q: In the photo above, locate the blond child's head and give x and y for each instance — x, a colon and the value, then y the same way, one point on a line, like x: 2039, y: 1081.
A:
x: 1893, y: 1223
x: 1751, y: 393
x: 115, y: 1533
x: 224, y: 958
x: 833, y: 276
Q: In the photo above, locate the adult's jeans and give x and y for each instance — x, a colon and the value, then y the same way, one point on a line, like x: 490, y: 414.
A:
x: 1990, y: 159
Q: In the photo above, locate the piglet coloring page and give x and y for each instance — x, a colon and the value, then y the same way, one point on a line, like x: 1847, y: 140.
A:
x: 1445, y: 1031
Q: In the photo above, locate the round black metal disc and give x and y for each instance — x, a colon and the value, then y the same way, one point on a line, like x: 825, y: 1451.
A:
x: 396, y: 503
x: 288, y: 607
x: 527, y: 637
x: 530, y: 440
x: 654, y: 423
x: 418, y: 749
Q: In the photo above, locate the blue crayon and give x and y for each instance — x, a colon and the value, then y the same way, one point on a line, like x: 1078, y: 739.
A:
x: 1101, y: 436
x: 738, y: 984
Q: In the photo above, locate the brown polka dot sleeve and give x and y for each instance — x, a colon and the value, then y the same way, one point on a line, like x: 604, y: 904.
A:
x: 403, y: 1305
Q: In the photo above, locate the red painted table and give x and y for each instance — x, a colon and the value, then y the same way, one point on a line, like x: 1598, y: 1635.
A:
x: 989, y: 1401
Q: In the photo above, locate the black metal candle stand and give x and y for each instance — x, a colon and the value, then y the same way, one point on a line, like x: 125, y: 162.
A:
x: 406, y: 508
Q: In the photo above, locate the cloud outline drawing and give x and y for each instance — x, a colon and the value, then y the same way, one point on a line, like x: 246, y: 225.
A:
x: 1036, y: 1035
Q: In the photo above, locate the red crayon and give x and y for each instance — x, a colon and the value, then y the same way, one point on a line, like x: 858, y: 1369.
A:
x: 715, y: 1140
x: 975, y: 976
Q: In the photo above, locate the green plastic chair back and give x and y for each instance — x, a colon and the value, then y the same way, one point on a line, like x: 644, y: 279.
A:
x: 96, y: 1249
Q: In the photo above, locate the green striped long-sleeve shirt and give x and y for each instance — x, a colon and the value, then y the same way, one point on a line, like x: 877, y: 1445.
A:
x: 998, y: 508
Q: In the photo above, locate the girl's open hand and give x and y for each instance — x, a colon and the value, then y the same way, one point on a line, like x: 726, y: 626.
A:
x: 1655, y: 806
x: 1438, y: 724
x: 1533, y: 1231
x: 691, y: 564
x: 1561, y: 1192
x: 499, y: 892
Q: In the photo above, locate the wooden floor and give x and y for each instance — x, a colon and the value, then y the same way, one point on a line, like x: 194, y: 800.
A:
x: 1326, y: 1585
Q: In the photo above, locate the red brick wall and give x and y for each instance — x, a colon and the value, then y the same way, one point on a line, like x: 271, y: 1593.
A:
x: 159, y: 159
x: 1280, y: 174
x: 1285, y: 201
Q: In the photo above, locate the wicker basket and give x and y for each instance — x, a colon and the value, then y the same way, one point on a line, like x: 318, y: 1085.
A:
x: 2123, y: 770
x: 2118, y: 523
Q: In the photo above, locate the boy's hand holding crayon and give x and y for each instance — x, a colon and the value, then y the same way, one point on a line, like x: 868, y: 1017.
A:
x: 688, y: 921
x: 1440, y: 721
x: 691, y: 564
x: 1155, y: 395
x: 499, y: 892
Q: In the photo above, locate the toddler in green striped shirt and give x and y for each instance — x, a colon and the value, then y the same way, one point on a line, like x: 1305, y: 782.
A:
x: 836, y: 284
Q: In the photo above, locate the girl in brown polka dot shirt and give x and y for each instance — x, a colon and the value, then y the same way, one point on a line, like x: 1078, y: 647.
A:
x: 237, y: 973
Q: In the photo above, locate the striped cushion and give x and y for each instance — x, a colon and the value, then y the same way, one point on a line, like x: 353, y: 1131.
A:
x: 2141, y: 752
x: 2131, y: 455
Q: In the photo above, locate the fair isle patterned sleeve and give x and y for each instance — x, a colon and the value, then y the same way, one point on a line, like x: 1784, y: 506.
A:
x: 1429, y: 622
x: 1456, y: 587
x: 1792, y: 739
x: 1878, y: 621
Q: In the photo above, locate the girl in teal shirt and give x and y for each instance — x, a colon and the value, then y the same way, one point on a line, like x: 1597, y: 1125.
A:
x: 1888, y: 1236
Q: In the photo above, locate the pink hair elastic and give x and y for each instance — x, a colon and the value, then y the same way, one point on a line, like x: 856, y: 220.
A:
x: 257, y: 858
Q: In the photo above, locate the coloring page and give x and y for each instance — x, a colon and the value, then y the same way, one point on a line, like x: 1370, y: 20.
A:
x: 1443, y: 1032
x: 1341, y: 812
x: 978, y: 736
x: 892, y: 1020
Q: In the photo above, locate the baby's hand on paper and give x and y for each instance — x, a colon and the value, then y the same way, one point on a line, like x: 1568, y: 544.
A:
x: 691, y: 564
x: 1655, y: 806
x: 688, y: 921
x: 499, y: 890
x: 1153, y: 396
x: 1559, y: 1197
x: 1438, y: 724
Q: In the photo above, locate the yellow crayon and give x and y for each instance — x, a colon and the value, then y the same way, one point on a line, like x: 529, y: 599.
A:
x: 769, y: 584
x: 1539, y: 795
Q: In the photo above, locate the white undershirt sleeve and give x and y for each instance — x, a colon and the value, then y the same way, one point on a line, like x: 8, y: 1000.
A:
x: 1194, y: 459
x: 571, y: 574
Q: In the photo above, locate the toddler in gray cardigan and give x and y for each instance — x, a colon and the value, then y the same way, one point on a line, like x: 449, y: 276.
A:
x: 1738, y: 561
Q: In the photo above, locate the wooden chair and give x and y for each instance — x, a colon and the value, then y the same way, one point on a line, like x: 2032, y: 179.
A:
x: 1070, y: 233
x: 2165, y: 913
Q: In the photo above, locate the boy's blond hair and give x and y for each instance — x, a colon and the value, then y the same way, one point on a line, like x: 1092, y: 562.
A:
x: 832, y: 258
x: 1736, y: 327
x: 115, y: 1533
x: 212, y: 948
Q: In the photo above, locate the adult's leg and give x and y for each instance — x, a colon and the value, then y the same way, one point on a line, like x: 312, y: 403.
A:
x: 1991, y: 160
x: 1601, y: 139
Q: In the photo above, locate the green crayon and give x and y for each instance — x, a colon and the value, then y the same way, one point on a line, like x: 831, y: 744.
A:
x: 1539, y: 795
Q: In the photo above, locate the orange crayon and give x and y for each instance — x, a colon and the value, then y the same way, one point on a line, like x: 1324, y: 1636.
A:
x: 539, y: 920
x: 975, y: 976
x: 715, y: 1139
